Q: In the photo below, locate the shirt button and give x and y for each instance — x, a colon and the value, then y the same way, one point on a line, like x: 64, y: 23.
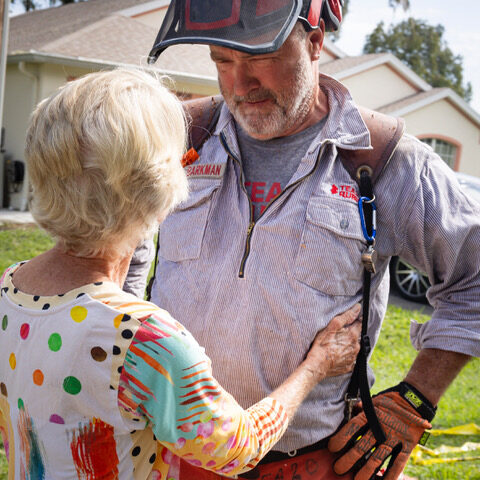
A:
x: 344, y: 224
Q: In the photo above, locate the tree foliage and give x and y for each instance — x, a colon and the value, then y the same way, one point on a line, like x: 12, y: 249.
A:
x: 422, y: 47
x: 405, y: 4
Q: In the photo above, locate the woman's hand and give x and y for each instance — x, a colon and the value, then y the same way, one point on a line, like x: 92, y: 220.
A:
x: 335, y: 348
x: 333, y: 352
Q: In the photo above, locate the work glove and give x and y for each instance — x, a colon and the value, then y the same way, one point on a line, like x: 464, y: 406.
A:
x: 404, y: 414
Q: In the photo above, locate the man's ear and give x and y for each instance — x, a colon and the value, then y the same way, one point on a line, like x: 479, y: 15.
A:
x: 315, y: 40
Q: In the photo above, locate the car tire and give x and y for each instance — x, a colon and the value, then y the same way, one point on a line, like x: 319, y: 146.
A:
x: 411, y: 283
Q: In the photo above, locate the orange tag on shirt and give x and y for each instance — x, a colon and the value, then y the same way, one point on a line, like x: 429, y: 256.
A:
x: 190, y: 157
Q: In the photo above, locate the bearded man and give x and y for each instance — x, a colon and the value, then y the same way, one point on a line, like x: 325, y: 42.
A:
x: 266, y: 247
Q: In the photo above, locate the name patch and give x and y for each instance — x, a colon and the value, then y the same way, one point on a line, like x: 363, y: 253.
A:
x: 207, y: 170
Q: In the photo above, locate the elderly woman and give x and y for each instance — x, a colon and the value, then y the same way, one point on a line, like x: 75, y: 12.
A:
x: 96, y: 383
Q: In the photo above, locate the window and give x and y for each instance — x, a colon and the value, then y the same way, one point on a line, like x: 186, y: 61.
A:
x: 447, y: 151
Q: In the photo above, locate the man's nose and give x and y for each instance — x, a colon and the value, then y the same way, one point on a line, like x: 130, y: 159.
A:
x: 244, y: 81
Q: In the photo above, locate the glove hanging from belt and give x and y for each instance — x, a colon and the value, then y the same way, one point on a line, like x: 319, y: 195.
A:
x: 404, y: 414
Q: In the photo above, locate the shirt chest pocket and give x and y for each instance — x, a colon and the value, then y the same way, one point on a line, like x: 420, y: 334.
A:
x: 181, y: 234
x: 329, y: 255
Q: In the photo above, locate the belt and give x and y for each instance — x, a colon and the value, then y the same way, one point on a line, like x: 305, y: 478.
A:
x: 314, y: 462
x: 274, y: 456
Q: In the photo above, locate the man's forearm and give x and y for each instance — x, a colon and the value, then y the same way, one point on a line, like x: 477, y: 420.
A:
x: 434, y: 370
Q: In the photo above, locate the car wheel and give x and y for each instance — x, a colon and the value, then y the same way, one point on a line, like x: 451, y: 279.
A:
x: 409, y: 281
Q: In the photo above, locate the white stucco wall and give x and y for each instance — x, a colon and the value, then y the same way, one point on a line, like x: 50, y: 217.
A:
x: 23, y: 90
x: 20, y: 94
x: 53, y: 76
x: 378, y: 87
x: 445, y: 121
x: 196, y: 89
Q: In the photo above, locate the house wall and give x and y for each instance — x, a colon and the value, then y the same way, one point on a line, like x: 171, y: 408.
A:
x: 186, y: 90
x: 26, y: 85
x: 20, y: 94
x: 378, y: 87
x: 444, y: 121
x: 53, y: 76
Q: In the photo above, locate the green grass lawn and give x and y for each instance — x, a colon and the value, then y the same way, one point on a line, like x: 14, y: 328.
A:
x: 22, y: 243
x: 391, y: 359
x: 460, y: 405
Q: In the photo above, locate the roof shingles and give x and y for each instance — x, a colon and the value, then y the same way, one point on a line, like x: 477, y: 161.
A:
x: 113, y: 39
x: 94, y: 30
x: 41, y: 27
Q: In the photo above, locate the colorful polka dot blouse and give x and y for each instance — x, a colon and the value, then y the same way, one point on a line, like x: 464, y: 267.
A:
x: 95, y: 383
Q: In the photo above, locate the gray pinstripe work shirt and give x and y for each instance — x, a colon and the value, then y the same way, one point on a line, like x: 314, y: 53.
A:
x: 256, y: 305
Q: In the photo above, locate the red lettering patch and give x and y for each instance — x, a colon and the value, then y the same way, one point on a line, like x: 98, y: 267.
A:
x: 345, y: 191
x: 207, y: 170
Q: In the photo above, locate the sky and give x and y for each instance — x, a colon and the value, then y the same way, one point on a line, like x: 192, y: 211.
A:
x: 461, y: 19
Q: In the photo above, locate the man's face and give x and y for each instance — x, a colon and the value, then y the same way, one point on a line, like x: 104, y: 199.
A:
x: 269, y: 95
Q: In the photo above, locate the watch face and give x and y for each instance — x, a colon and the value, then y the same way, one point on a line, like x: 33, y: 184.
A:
x: 251, y: 26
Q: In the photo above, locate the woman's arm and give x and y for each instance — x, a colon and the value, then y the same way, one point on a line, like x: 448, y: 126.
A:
x: 167, y: 376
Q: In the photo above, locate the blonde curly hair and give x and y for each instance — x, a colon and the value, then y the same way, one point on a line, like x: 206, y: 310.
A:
x: 103, y: 156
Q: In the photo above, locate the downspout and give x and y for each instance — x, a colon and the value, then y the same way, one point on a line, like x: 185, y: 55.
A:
x: 3, y: 53
x: 4, y: 24
x: 22, y: 68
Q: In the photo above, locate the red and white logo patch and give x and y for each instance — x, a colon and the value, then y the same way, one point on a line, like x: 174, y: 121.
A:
x: 345, y: 191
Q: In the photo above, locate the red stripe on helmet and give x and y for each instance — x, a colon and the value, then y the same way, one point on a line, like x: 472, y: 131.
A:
x: 314, y: 12
x: 336, y: 8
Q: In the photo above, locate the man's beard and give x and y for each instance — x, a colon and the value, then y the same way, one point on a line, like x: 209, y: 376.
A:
x: 287, y: 109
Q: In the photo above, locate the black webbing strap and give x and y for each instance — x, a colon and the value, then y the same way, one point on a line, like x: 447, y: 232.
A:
x: 152, y: 278
x: 359, y: 380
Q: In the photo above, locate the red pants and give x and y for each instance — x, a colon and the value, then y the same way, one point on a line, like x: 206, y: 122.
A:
x: 315, y: 465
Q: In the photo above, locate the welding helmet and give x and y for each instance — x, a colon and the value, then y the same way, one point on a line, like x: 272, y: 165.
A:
x: 251, y: 26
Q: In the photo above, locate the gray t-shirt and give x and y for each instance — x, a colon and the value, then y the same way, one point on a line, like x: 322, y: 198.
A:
x: 268, y: 165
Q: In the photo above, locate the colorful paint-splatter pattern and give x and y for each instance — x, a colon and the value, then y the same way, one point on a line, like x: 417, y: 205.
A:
x: 99, y: 384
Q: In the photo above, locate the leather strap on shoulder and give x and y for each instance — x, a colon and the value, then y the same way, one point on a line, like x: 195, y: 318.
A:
x: 202, y: 116
x: 385, y: 133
